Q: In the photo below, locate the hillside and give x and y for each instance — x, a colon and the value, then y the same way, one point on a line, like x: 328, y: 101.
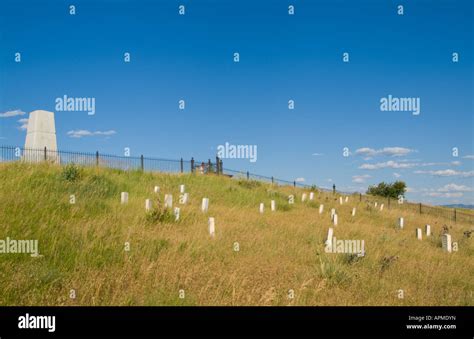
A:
x: 280, y: 254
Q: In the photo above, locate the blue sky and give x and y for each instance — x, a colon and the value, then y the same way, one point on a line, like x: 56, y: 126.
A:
x: 282, y: 57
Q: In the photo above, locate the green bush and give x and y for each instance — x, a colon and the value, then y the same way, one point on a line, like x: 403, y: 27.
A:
x: 71, y: 173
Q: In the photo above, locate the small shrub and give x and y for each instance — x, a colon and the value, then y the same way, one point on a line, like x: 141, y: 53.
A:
x: 250, y: 184
x: 161, y: 215
x: 71, y: 173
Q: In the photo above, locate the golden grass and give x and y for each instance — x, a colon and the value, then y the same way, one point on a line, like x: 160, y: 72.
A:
x: 83, y: 245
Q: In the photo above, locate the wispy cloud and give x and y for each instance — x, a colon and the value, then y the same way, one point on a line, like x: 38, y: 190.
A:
x: 13, y: 113
x: 317, y: 154
x: 448, y: 173
x: 85, y: 133
x: 468, y: 157
x: 23, y: 124
x: 397, y: 175
x: 386, y: 151
x: 403, y: 164
x: 299, y: 179
x: 444, y: 195
x: 360, y: 179
x: 455, y: 188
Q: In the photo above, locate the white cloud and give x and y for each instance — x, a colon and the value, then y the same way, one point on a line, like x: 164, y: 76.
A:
x: 317, y: 154
x: 447, y: 173
x: 405, y: 164
x: 299, y: 180
x: 444, y: 195
x: 360, y: 179
x: 468, y: 157
x: 85, y: 133
x: 387, y: 164
x: 455, y: 188
x: 13, y: 113
x: 396, y: 175
x: 23, y: 124
x: 386, y: 151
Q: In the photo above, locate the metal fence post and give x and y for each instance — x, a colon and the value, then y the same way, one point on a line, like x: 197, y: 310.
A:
x: 181, y: 165
x: 209, y: 166
x: 217, y: 165
x: 294, y: 183
x: 141, y: 162
x: 420, y: 207
x: 192, y: 165
x: 248, y: 175
x: 45, y: 156
x: 97, y: 158
x: 360, y: 196
x: 388, y: 202
x: 221, y: 166
x: 454, y: 215
x: 272, y: 180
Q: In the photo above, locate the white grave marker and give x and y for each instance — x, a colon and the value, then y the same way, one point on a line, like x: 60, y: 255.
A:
x: 168, y: 201
x: 212, y: 227
x: 321, y: 208
x: 376, y: 204
x: 157, y: 189
x: 329, y: 239
x: 400, y: 222
x: 148, y: 205
x: 333, y: 212
x: 446, y: 240
x: 273, y: 206
x: 291, y: 199
x: 311, y: 195
x: 340, y: 200
x: 181, y: 188
x: 262, y: 207
x: 354, y: 212
x: 205, y: 204
x: 418, y: 234
x: 124, y: 197
x: 347, y: 199
x: 381, y: 207
x: 176, y: 213
x: 303, y: 197
x: 334, y: 220
x: 428, y: 230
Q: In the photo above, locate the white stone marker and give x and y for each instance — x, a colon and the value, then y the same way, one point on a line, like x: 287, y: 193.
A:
x: 354, y: 212
x: 176, y: 213
x: 148, y: 205
x: 157, y: 189
x: 340, y: 200
x: 333, y: 211
x: 291, y: 199
x: 381, y: 207
x: 428, y: 230
x: 41, y: 133
x: 446, y: 240
x: 168, y: 201
x: 123, y: 197
x: 376, y: 204
x: 347, y: 199
x: 418, y: 234
x: 321, y: 208
x: 181, y: 188
x: 329, y: 239
x: 303, y: 197
x: 205, y: 204
x: 334, y: 219
x: 311, y: 195
x: 273, y: 206
x: 212, y: 227
x: 400, y: 222
x: 262, y: 207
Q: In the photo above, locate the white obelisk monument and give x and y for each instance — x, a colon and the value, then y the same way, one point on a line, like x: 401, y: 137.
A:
x: 41, y: 133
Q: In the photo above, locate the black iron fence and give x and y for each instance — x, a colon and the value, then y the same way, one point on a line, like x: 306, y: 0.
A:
x: 10, y: 153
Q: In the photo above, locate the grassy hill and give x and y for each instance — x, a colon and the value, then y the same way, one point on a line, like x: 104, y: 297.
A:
x: 83, y: 245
